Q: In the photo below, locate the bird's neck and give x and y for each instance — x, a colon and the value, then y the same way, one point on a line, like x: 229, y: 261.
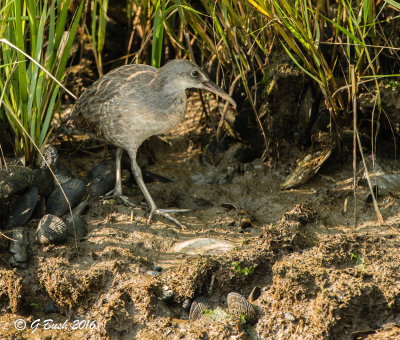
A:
x: 167, y: 92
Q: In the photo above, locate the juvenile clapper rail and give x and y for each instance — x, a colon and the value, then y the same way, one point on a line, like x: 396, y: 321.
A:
x: 134, y: 102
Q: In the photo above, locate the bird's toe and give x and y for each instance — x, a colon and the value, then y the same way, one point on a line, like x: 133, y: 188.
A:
x: 165, y: 215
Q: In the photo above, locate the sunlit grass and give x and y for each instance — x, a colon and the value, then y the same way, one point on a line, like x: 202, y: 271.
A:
x: 29, y: 96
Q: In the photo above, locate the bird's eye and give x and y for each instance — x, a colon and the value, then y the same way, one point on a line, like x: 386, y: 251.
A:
x: 195, y: 73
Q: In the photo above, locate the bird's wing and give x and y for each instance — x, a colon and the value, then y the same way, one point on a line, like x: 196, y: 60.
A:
x: 102, y: 96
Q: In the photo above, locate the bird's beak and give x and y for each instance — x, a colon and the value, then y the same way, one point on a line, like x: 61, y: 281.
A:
x: 210, y: 86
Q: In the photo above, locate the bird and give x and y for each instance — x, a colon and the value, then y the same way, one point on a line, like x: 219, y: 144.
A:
x: 134, y: 102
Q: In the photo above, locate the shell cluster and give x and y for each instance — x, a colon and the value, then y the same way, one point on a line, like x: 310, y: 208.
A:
x: 238, y: 305
x: 46, y: 193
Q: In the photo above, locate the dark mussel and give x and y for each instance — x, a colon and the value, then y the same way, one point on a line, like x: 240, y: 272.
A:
x: 74, y: 189
x: 43, y: 179
x: 76, y: 227
x: 23, y: 209
x: 101, y: 179
x: 198, y: 307
x: 62, y: 173
x: 238, y: 305
x: 14, y: 179
x: 254, y: 294
x: 51, y: 230
x: 60, y: 170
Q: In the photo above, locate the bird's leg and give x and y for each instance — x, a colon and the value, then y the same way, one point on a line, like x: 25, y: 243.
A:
x: 139, y: 180
x: 117, y: 191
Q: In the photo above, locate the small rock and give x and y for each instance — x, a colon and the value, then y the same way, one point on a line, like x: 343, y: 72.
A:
x: 290, y: 317
x: 157, y: 268
x: 167, y: 295
x: 51, y: 309
x: 18, y: 247
x: 186, y: 305
x: 245, y: 223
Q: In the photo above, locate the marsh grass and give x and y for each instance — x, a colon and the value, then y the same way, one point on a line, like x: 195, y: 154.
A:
x: 233, y: 38
x: 29, y: 96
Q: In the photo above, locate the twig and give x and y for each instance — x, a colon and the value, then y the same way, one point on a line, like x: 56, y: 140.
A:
x: 353, y: 94
x: 225, y: 109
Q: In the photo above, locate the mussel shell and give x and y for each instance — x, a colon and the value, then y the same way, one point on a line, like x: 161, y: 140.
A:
x: 43, y: 179
x: 40, y: 209
x: 14, y: 179
x: 50, y: 155
x: 62, y: 173
x: 76, y: 227
x: 23, y: 209
x: 51, y: 230
x: 101, y: 179
x: 238, y: 305
x: 198, y: 307
x: 254, y: 294
x: 74, y: 189
x: 80, y: 208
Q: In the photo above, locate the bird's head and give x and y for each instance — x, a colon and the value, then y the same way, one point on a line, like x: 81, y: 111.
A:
x: 185, y: 74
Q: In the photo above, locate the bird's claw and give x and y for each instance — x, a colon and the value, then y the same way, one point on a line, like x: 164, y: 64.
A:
x: 164, y: 213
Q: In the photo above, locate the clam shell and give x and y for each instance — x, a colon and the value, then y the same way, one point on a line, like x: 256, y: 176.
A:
x: 51, y: 230
x: 197, y: 309
x: 23, y: 210
x: 101, y: 179
x: 14, y: 179
x: 76, y: 227
x: 238, y: 305
x: 74, y: 189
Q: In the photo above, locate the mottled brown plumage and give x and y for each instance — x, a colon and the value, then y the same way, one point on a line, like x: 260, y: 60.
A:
x: 134, y: 102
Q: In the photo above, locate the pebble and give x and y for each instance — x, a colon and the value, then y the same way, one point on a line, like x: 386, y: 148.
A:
x: 290, y: 317
x: 157, y: 268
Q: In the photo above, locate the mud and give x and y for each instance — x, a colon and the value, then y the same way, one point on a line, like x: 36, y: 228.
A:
x: 320, y: 276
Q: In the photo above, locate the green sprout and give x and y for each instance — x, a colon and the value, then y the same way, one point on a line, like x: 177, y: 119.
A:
x: 34, y: 305
x: 246, y: 271
x: 245, y: 325
x: 358, y: 259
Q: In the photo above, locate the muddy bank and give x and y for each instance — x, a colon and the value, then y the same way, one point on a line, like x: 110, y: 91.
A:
x: 319, y: 277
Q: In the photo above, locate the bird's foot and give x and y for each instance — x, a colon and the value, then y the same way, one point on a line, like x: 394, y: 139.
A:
x: 119, y: 198
x: 164, y: 213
